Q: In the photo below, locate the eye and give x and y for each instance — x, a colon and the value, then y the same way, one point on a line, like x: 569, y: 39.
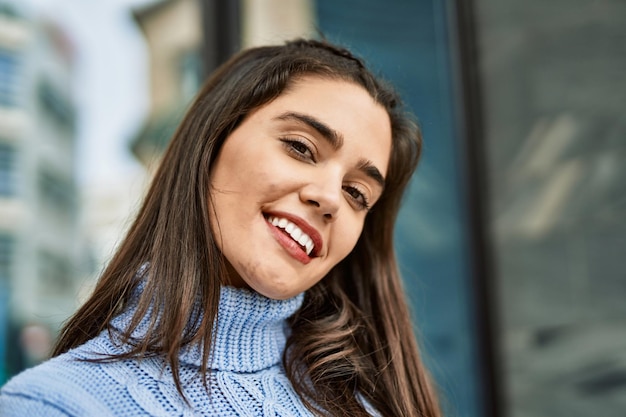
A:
x: 357, y: 196
x: 299, y: 149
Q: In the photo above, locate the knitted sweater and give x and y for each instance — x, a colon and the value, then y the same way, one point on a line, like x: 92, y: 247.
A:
x: 247, y: 378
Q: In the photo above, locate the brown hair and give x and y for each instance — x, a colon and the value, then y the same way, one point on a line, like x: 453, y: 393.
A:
x: 352, y: 340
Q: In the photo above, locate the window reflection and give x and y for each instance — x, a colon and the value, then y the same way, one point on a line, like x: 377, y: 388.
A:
x: 555, y: 144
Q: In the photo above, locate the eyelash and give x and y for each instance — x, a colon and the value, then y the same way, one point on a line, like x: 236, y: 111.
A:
x: 301, y: 150
x: 292, y: 145
x: 360, y: 200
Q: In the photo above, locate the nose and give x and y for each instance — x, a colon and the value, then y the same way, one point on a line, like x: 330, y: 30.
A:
x: 325, y: 195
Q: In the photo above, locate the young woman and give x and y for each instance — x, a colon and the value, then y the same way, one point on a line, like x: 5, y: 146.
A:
x: 259, y: 278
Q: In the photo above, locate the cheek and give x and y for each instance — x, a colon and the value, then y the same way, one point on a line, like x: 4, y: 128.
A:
x: 347, y: 237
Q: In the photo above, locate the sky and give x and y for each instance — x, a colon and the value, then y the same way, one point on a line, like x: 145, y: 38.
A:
x: 111, y: 82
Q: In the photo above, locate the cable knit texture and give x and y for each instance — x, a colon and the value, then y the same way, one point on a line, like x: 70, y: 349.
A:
x: 247, y: 378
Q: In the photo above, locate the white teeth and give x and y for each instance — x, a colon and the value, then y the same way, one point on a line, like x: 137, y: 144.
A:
x: 307, y: 243
x: 309, y: 247
x: 295, y: 232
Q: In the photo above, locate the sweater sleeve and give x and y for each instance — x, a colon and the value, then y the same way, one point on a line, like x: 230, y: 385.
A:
x: 16, y: 405
x: 50, y: 389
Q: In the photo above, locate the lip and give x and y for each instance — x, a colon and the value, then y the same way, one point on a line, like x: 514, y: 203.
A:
x: 315, y: 236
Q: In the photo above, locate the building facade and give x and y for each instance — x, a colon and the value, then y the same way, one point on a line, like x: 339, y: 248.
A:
x: 41, y: 256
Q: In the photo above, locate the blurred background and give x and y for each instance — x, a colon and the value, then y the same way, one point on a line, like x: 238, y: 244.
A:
x: 513, y: 236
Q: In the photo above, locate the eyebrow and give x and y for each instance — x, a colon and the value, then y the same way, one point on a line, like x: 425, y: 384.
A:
x: 336, y: 141
x: 371, y: 171
x: 332, y: 136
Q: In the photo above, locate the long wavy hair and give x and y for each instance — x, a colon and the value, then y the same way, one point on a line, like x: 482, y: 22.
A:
x: 352, y: 344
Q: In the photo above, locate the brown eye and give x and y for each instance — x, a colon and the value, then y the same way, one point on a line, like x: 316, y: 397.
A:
x: 299, y: 149
x: 359, y: 198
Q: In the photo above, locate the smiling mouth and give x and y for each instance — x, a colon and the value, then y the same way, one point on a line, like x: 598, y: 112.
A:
x: 293, y: 231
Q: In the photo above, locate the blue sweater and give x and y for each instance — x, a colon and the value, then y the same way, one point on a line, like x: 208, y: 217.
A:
x: 247, y: 378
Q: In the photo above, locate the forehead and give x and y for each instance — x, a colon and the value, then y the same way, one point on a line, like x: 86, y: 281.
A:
x: 343, y: 106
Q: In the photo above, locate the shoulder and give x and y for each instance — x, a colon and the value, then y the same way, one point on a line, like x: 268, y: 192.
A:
x: 57, y: 387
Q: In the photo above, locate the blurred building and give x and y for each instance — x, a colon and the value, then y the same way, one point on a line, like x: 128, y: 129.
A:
x: 40, y: 250
x: 173, y: 33
x: 187, y: 39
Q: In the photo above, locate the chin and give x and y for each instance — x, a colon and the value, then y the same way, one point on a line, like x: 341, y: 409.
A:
x: 277, y: 288
x: 276, y: 292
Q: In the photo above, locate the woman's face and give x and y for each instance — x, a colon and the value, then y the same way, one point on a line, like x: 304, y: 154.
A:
x: 292, y: 184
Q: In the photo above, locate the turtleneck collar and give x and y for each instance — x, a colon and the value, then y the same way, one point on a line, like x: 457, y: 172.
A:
x: 250, y: 332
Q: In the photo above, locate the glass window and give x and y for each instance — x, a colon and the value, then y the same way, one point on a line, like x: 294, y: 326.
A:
x: 56, y: 192
x: 190, y: 74
x: 553, y: 88
x: 9, y: 78
x: 55, y: 272
x: 55, y: 105
x: 7, y: 244
x: 7, y: 170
